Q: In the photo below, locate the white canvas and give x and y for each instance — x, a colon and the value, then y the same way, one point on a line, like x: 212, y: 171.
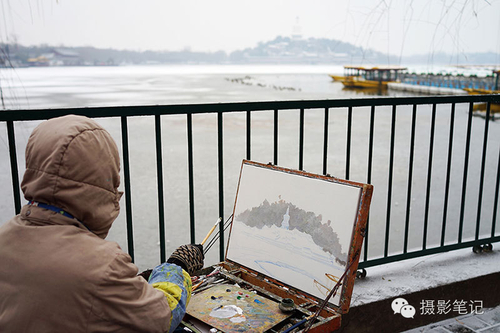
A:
x: 293, y: 228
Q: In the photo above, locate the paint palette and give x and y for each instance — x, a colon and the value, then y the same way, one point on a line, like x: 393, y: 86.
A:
x: 233, y: 309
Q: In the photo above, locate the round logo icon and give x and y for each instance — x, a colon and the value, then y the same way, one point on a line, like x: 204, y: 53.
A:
x: 408, y: 311
x: 397, y: 304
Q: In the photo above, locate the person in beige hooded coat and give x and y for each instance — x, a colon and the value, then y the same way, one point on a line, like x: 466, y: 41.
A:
x: 57, y: 273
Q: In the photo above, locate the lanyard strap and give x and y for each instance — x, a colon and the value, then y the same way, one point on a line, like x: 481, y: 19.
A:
x: 57, y: 210
x: 52, y: 208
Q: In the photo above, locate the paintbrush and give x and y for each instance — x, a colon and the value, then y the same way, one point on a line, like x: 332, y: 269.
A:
x: 298, y: 324
x: 330, y: 294
x: 209, y: 284
x: 217, y: 235
x: 202, y: 243
x: 211, y: 230
x: 197, y: 285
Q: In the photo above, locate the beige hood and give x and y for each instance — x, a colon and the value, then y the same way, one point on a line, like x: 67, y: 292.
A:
x: 73, y: 163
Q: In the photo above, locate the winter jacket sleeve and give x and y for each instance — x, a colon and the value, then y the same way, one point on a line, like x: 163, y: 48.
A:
x: 126, y: 300
x: 175, y: 283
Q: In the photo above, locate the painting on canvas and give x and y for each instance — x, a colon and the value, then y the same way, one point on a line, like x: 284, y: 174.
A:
x: 293, y: 228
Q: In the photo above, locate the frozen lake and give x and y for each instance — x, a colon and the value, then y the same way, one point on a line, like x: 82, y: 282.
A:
x: 149, y: 85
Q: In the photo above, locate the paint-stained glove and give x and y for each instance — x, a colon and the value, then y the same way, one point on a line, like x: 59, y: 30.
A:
x: 175, y: 283
x: 189, y: 257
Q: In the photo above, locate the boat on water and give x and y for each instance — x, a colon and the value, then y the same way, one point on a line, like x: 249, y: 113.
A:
x: 474, y: 91
x: 368, y: 77
x: 494, y: 107
x: 337, y: 77
x: 481, y: 107
x: 494, y: 89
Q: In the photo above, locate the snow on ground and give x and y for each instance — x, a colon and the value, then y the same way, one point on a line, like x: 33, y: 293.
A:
x: 408, y: 276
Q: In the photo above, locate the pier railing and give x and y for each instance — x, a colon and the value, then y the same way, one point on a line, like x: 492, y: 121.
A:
x: 451, y: 81
x: 435, y: 168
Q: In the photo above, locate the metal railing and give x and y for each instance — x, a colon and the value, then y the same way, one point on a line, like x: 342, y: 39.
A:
x: 390, y: 107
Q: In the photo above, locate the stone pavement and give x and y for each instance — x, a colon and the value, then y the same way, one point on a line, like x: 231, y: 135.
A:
x: 487, y: 322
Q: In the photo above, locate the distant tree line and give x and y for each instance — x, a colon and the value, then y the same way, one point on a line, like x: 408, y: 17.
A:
x: 279, y: 50
x: 91, y: 55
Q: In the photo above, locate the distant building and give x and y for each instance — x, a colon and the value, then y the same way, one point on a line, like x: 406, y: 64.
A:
x: 58, y: 57
x: 297, y: 30
x: 39, y: 61
x: 67, y: 57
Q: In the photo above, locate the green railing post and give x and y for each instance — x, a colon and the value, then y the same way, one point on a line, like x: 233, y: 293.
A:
x: 389, y: 182
x: 128, y: 192
x: 192, y: 223
x: 220, y: 141
x: 159, y: 175
x: 13, y: 166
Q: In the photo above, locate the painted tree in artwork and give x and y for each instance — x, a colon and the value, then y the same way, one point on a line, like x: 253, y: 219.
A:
x: 269, y: 214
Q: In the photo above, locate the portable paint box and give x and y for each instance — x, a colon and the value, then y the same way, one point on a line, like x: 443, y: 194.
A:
x: 293, y: 235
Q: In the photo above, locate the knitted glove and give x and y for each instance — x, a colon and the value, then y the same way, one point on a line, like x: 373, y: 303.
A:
x: 189, y: 257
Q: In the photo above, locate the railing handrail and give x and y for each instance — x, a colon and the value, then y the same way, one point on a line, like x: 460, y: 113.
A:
x: 152, y: 110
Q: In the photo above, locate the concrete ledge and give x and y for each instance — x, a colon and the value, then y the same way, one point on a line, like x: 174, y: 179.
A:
x: 452, y: 276
x: 379, y: 317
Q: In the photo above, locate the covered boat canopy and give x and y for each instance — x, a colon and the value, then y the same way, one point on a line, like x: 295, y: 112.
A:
x: 377, y: 73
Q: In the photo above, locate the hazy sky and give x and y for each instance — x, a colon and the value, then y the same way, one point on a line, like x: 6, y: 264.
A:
x: 396, y: 26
